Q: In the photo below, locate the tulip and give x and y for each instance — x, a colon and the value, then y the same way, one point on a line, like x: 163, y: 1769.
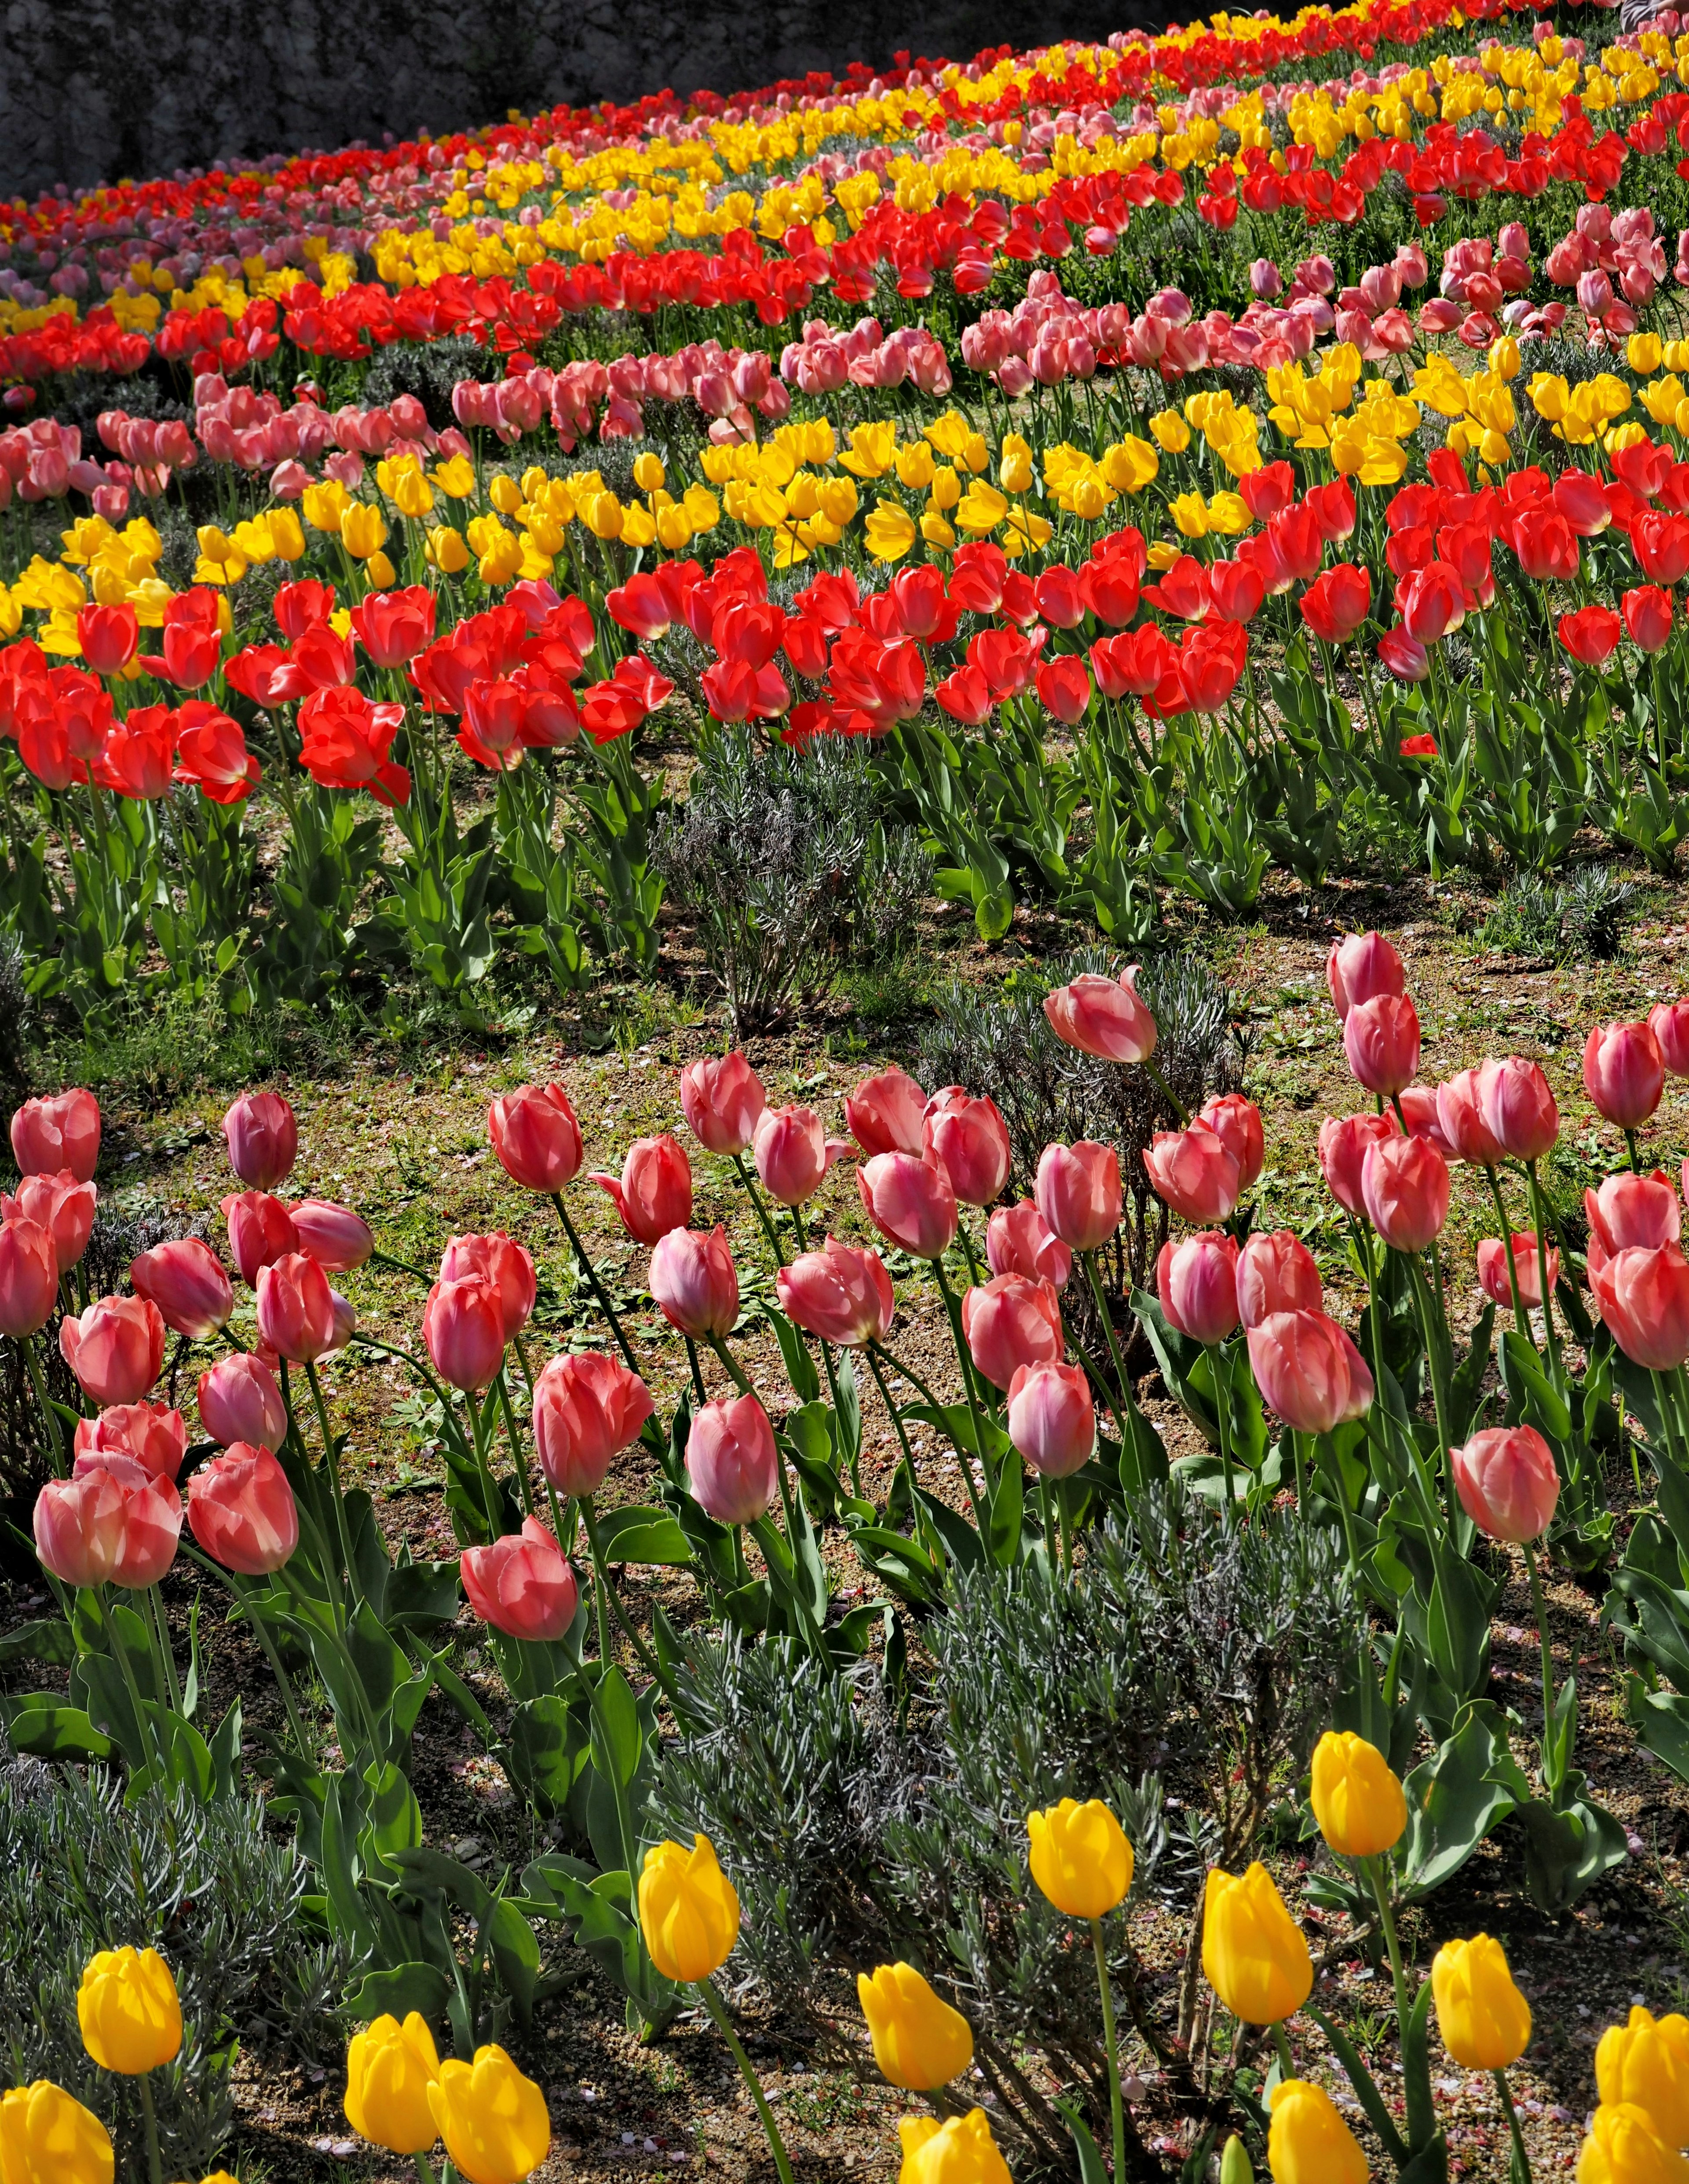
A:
x: 840, y: 1293
x: 115, y: 1348
x: 1381, y: 1040
x: 1308, y: 2142
x: 920, y: 2042
x: 1236, y: 1122
x: 263, y: 1140
x: 1623, y: 1072
x: 695, y: 1282
x: 1460, y: 1114
x: 1484, y: 2020
x: 127, y: 2009
x: 242, y: 1511
x: 490, y: 2117
x: 1018, y: 1240
x: 587, y: 1409
x: 910, y: 1200
x: 186, y: 1281
x: 1358, y: 1799
x: 1253, y: 1954
x: 1196, y: 1282
x: 47, y: 2137
x: 1052, y: 1418
x: 155, y: 1437
x: 337, y: 1238
x: 1195, y: 1171
x: 1102, y: 1017
x: 240, y: 1401
x: 1078, y: 1193
x: 721, y: 1100
x: 1404, y: 1187
x: 654, y: 1194
x: 1080, y: 1858
x: 1517, y: 1107
x: 29, y: 1277
x: 1009, y: 1322
x: 888, y: 1114
x: 536, y: 1136
x: 296, y: 1309
x: 1492, y: 1271
x: 959, y: 2151
x: 1630, y: 1212
x: 389, y: 2069
x: 1276, y: 1272
x: 970, y: 1141
x: 1668, y: 1021
x: 1507, y: 1482
x: 522, y: 1584
x: 1626, y: 2146
x: 688, y: 1912
x: 498, y: 1259
x: 112, y: 1520
x: 1361, y: 967
x: 1308, y: 1371
x: 1643, y: 1298
x: 1646, y: 2063
x: 462, y: 1324
x: 792, y: 1152
x: 61, y: 1205
x: 61, y: 1132
x: 1343, y: 1147
x: 732, y: 1466
x: 261, y: 1232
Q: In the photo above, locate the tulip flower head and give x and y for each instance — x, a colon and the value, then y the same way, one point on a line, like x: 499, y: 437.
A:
x: 888, y: 1114
x: 1010, y: 1323
x: 1080, y: 1858
x: 1276, y: 1272
x: 1358, y: 1799
x: 29, y: 1277
x: 1253, y: 1953
x: 186, y: 1280
x: 731, y: 1464
x: 337, y: 1238
x: 1492, y: 1270
x: 588, y: 1407
x: 689, y: 1911
x: 296, y: 1314
x: 1309, y: 1371
x: 1381, y: 1041
x: 242, y: 1511
x: 959, y: 2151
x: 111, y: 1521
x: 521, y: 1584
x: 59, y: 1132
x: 1626, y: 2146
x: 840, y: 1293
x: 1645, y: 2062
x: 910, y: 1201
x: 262, y: 1138
x: 490, y: 2117
x: 1018, y: 1240
x: 1507, y: 1482
x: 793, y: 1153
x: 127, y: 2009
x: 240, y: 1399
x: 1344, y: 1145
x: 1103, y: 1017
x: 47, y: 2137
x: 389, y: 2068
x: 1623, y: 1072
x: 722, y: 1099
x: 1517, y: 1107
x: 61, y: 1205
x: 1195, y: 1171
x: 154, y: 1435
x: 1405, y: 1188
x: 115, y: 1348
x: 1076, y: 1191
x: 535, y: 1134
x: 1360, y: 968
x: 1484, y: 2020
x: 695, y: 1282
x: 1196, y: 1283
x: 1308, y: 2142
x: 920, y: 2042
x: 654, y: 1191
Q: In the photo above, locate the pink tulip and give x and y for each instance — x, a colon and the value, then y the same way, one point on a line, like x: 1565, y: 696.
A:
x: 1622, y: 1072
x: 240, y: 1401
x: 695, y: 1282
x: 29, y: 1277
x: 731, y: 1461
x: 521, y: 1585
x: 115, y: 1349
x: 1236, y: 1122
x: 1361, y: 967
x: 1381, y: 1040
x: 1009, y: 1322
x: 910, y: 1201
x: 654, y: 1194
x: 60, y: 1132
x: 498, y: 1259
x: 242, y: 1511
x: 463, y: 1325
x: 535, y: 1134
x: 887, y: 1114
x: 1404, y: 1187
x: 1018, y: 1240
x: 970, y: 1139
x: 721, y: 1100
x: 1630, y: 1212
x: 296, y: 1309
x: 61, y: 1205
x: 1492, y: 1271
x: 1643, y: 1298
x: 1052, y: 1418
x: 1078, y: 1193
x: 792, y: 1152
x: 587, y: 1409
x: 1276, y: 1272
x: 1517, y: 1107
x: 1507, y: 1482
x: 110, y: 1523
x: 345, y: 1320
x: 1668, y: 1021
x: 1343, y: 1147
x: 839, y: 1293
x: 263, y: 1140
x: 1418, y: 1106
x: 155, y: 1437
x: 1102, y: 1017
x: 261, y: 1231
x: 1196, y: 1281
x: 1195, y: 1171
x: 186, y: 1281
x: 1460, y: 1111
x: 1308, y: 1371
x: 337, y: 1238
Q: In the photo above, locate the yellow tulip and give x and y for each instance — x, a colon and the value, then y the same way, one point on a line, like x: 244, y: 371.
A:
x: 1253, y: 1953
x: 491, y: 2118
x: 286, y: 537
x: 447, y: 550
x: 1646, y: 2063
x: 688, y: 1912
x: 389, y: 2069
x: 1484, y: 2018
x: 1171, y: 432
x: 46, y: 2137
x: 946, y: 487
x: 1643, y: 353
x: 363, y: 530
x: 889, y: 531
x: 648, y: 473
x: 325, y: 505
x: 381, y: 573
x: 1309, y: 2142
x: 920, y: 2042
x: 1358, y: 1799
x: 961, y: 2151
x: 128, y: 2010
x: 1079, y: 1857
x: 1624, y: 2147
x: 455, y: 478
x: 1014, y: 465
x: 505, y: 493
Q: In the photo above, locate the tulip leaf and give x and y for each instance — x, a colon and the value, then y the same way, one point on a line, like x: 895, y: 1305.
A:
x: 794, y: 1355
x: 1526, y: 1382
x: 45, y: 1727
x: 424, y: 1871
x: 1003, y: 1517
x: 1453, y: 1802
x: 399, y: 1990
x: 644, y: 1535
x: 618, y: 1736
x: 1092, y: 2167
x: 956, y: 1535
x: 1567, y: 1852
x: 52, y: 1644
x: 515, y: 1951
x: 422, y: 1593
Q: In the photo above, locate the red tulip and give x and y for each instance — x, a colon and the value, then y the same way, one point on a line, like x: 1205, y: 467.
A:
x: 910, y: 1201
x: 61, y: 1205
x: 395, y: 627
x: 1591, y: 635
x: 60, y: 1132
x: 970, y: 1139
x: 1381, y: 1040
x: 721, y: 1100
x: 1102, y: 1017
x: 887, y: 1114
x: 337, y: 1238
x: 1623, y: 1072
x: 536, y: 1136
x: 1519, y: 1107
x: 186, y: 1281
x: 1335, y: 604
x: 1417, y: 1108
x: 1308, y: 1371
x: 1196, y: 1281
x: 1431, y: 602
x: 296, y: 1309
x: 1052, y: 1418
x: 1643, y: 1298
x: 29, y: 1277
x: 498, y: 1259
x: 1630, y: 1212
x: 109, y: 637
x: 521, y: 1585
x: 1404, y: 1187
x: 1276, y: 1272
x: 793, y: 1153
x: 242, y: 1511
x: 260, y: 1231
x: 1668, y: 1021
x: 1195, y: 1171
x: 153, y: 1435
x: 1363, y: 966
x: 1236, y: 1122
x: 1009, y: 1322
x: 1647, y: 617
x: 695, y: 1282
x: 115, y: 1349
x: 1460, y: 1115
x: 839, y: 1293
x: 1078, y: 1193
x: 731, y: 1460
x: 587, y: 1409
x: 1507, y: 1482
x: 240, y: 1401
x: 1018, y: 1240
x: 263, y: 1140
x: 654, y: 1194
x: 110, y: 1523
x: 1492, y: 1271
x: 1408, y: 661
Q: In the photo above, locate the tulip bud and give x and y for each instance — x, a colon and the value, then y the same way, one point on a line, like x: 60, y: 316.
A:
x: 910, y: 1201
x: 732, y: 1466
x: 1018, y: 1240
x: 261, y: 1231
x: 240, y: 1401
x: 536, y: 1136
x: 1079, y: 1857
x: 337, y: 1238
x: 1236, y: 1122
x: 155, y: 1437
x: 970, y: 1139
x: 61, y: 1132
x: 61, y: 1205
x: 242, y: 1511
x: 115, y: 1348
x: 1646, y: 2062
x: 1507, y: 1482
x: 840, y: 1294
x: 1078, y: 1193
x: 389, y: 2069
x: 1357, y: 1799
x: 959, y: 2151
x: 920, y: 2042
x: 887, y: 1114
x: 47, y: 2137
x: 1276, y: 1272
x: 1236, y: 2165
x: 792, y: 1152
x: 1623, y: 1072
x: 186, y: 1280
x: 29, y: 1277
x: 688, y: 1912
x: 522, y: 1584
x: 127, y: 2009
x: 1381, y: 1040
x: 1052, y: 1418
x: 1404, y: 1187
x: 721, y: 1100
x: 490, y: 2117
x: 500, y: 1260
x: 1195, y: 1171
x: 1010, y: 1323
x: 654, y: 1192
x: 112, y: 1522
x: 1460, y: 1116
x: 1626, y: 2146
x: 1484, y: 2020
x: 695, y: 1282
x: 1308, y: 2141
x: 1309, y: 1371
x: 263, y: 1140
x: 587, y: 1409
x: 1361, y: 966
x: 1103, y: 1017
x: 1492, y: 1271
x: 296, y: 1310
x: 1517, y: 1107
x: 1253, y: 1953
x: 1643, y: 1300
x: 1343, y: 1148
x: 1196, y: 1282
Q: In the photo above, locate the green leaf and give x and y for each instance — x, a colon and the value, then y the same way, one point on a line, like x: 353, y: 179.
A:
x: 643, y: 1535
x: 1453, y: 1802
x: 49, y: 1730
x: 399, y: 1990
x: 52, y: 1644
x: 515, y: 1954
x: 618, y: 1736
x: 1003, y: 1517
x: 419, y: 1594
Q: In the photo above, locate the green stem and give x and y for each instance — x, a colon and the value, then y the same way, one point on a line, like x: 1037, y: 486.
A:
x: 1116, y: 2106
x: 425, y: 2169
x: 712, y: 2003
x: 954, y: 1311
x: 768, y: 1227
x: 283, y: 1682
x: 872, y: 1352
x: 1116, y: 1394
x: 1422, y: 1298
x: 1521, y: 2159
x: 647, y: 1659
x: 1540, y: 1213
x: 1281, y: 2046
x: 49, y: 1416
x: 1168, y: 1093
x: 332, y: 1463
x: 155, y: 2167
x: 591, y: 1272
x: 155, y: 1609
x: 1521, y: 1318
x: 1222, y: 1413
x: 522, y: 1480
x: 879, y: 1349
x: 738, y: 1372
x: 1549, y: 1783
x: 1373, y: 1868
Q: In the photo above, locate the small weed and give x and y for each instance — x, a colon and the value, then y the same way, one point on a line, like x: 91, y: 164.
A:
x: 1580, y: 919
